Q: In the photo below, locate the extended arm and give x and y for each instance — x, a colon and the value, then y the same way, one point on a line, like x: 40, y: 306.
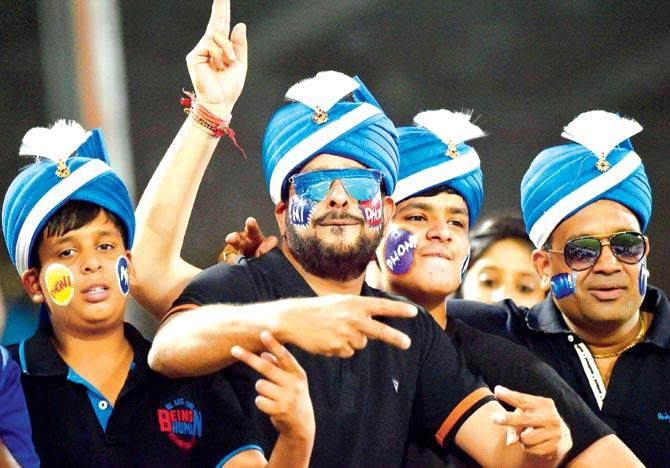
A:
x: 217, y: 66
x: 198, y: 341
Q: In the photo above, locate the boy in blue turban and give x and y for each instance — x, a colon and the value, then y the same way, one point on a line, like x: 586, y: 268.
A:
x: 586, y: 206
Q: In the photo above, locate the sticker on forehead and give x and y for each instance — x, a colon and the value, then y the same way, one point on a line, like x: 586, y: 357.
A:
x: 372, y: 210
x: 563, y: 284
x: 300, y: 210
x: 60, y: 284
x: 399, y: 251
x: 122, y: 274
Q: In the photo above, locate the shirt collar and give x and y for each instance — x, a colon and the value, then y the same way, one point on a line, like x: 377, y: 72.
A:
x: 546, y: 318
x: 39, y: 357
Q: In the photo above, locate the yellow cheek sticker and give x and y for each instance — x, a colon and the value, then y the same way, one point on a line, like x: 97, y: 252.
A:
x: 60, y: 283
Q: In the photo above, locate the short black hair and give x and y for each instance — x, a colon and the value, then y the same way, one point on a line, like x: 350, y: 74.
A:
x: 72, y: 215
x: 431, y: 192
x: 496, y: 229
x: 491, y: 231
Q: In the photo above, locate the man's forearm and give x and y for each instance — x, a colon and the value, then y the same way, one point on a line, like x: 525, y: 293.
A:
x: 162, y: 217
x: 291, y: 451
x: 198, y: 342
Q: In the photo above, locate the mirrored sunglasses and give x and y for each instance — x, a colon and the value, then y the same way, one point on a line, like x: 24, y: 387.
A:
x: 360, y: 184
x: 583, y: 252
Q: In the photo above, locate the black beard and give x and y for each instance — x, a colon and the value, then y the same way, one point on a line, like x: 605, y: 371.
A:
x: 329, y: 262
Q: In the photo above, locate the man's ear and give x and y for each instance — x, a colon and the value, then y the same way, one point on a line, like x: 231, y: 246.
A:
x: 31, y: 283
x: 280, y: 215
x: 541, y: 264
x: 388, y: 209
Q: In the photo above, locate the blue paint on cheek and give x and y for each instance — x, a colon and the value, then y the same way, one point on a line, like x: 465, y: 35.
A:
x: 642, y: 278
x: 300, y: 211
x: 122, y: 274
x: 399, y: 251
x: 563, y: 284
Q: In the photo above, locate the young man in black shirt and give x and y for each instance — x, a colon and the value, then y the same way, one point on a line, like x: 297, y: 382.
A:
x: 425, y: 253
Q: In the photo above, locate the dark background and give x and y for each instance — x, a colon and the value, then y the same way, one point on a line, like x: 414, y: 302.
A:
x: 526, y: 68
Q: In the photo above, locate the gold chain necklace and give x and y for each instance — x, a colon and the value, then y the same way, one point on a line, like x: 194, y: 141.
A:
x: 636, y: 340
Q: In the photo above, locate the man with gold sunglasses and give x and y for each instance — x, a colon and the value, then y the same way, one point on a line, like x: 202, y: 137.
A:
x: 586, y: 207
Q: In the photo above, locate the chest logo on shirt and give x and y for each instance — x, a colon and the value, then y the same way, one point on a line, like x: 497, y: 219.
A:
x: 182, y: 421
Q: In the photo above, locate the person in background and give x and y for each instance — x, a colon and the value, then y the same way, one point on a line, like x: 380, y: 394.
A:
x: 500, y: 264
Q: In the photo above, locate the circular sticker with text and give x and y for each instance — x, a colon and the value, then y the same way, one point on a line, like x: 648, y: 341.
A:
x: 60, y: 283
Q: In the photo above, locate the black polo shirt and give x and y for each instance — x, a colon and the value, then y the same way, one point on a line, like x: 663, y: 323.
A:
x: 637, y: 402
x: 156, y: 421
x: 365, y: 406
x: 501, y: 362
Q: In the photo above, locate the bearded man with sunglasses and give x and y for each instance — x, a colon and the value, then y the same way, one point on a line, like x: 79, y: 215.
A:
x: 586, y: 207
x: 330, y: 157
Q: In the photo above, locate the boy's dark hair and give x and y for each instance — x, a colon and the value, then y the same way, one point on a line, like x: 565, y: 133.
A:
x: 430, y: 192
x: 72, y: 215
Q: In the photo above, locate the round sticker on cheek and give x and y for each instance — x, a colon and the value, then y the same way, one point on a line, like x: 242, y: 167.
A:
x: 563, y: 284
x: 300, y: 211
x: 372, y: 210
x: 122, y: 274
x: 60, y: 284
x: 399, y: 251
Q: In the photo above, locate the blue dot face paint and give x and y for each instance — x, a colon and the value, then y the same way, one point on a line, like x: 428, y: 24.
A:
x: 372, y: 211
x: 563, y: 284
x: 300, y: 210
x: 643, y: 276
x: 399, y: 251
x: 122, y: 274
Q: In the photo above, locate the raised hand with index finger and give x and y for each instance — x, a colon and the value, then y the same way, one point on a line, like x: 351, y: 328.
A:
x: 217, y: 65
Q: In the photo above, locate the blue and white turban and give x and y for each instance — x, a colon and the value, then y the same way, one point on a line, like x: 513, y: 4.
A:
x: 72, y: 164
x: 602, y: 166
x: 323, y: 120
x: 434, y: 154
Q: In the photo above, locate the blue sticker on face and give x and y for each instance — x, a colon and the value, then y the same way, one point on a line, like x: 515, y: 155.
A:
x: 300, y: 210
x: 563, y: 284
x: 643, y: 276
x: 122, y: 274
x: 399, y: 251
